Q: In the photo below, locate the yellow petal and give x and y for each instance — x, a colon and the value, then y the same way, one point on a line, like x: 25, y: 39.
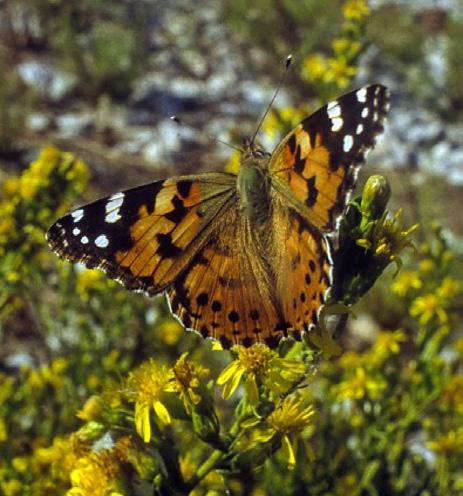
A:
x: 142, y: 421
x: 227, y: 372
x: 161, y: 412
x: 288, y: 452
x: 230, y: 387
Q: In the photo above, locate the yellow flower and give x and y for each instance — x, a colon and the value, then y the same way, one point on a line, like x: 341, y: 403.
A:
x: 11, y: 487
x: 387, y: 343
x: 10, y: 187
x: 345, y: 47
x: 20, y: 464
x: 29, y: 186
x: 427, y: 265
x: 145, y: 387
x: 290, y: 418
x: 448, y: 444
x: 340, y: 72
x: 359, y: 385
x: 259, y: 365
x: 187, y: 380
x: 315, y: 67
x: 387, y: 239
x: 448, y: 289
x: 95, y: 475
x: 92, y: 409
x: 62, y: 454
x: 351, y: 359
x: 355, y: 10
x: 427, y: 308
x: 406, y: 282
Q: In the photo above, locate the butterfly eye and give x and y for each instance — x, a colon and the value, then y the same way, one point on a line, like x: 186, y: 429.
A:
x: 259, y: 153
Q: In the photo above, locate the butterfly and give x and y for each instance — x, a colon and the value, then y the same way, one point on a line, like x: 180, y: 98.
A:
x: 242, y: 258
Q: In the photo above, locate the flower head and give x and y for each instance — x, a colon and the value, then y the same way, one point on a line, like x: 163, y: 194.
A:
x: 285, y: 423
x: 99, y: 473
x: 145, y: 386
x: 187, y: 381
x: 259, y: 365
x: 358, y: 385
x: 406, y: 282
x: 427, y: 308
x: 355, y: 10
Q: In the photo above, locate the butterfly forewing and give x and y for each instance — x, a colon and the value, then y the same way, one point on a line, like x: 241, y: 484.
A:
x: 144, y: 237
x: 315, y: 166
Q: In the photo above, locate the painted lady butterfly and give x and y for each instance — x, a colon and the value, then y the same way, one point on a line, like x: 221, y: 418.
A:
x: 242, y: 258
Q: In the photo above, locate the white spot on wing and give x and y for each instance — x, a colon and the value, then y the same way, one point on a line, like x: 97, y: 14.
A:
x: 336, y: 124
x: 112, y: 208
x: 347, y: 142
x: 102, y: 241
x: 362, y: 95
x: 365, y: 112
x: 334, y: 111
x: 76, y: 231
x: 77, y: 215
x: 359, y: 129
x: 84, y: 240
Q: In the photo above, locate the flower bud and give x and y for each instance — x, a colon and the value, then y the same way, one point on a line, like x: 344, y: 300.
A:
x: 375, y: 196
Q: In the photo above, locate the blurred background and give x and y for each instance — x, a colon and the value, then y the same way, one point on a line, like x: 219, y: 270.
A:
x: 101, y: 79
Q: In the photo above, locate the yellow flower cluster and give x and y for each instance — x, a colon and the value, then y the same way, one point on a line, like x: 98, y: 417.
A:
x: 148, y: 387
x: 337, y: 71
x: 31, y: 202
x: 363, y: 376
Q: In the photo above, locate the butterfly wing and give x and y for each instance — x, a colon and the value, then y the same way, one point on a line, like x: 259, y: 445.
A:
x: 313, y: 172
x: 228, y: 293
x: 315, y: 166
x: 304, y: 272
x: 146, y: 236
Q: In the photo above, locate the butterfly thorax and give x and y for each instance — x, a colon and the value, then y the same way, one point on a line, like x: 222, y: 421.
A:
x: 254, y: 186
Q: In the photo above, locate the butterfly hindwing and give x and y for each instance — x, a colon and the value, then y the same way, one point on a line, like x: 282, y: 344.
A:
x: 228, y: 293
x: 144, y: 237
x: 316, y: 165
x: 305, y: 274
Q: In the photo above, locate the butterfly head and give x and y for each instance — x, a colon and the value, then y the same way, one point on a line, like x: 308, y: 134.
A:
x: 253, y: 153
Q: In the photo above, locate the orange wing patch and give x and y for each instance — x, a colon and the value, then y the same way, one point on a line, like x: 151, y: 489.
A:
x: 161, y: 238
x: 304, y: 165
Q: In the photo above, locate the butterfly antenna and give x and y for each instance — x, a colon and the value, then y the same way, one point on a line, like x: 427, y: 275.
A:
x: 213, y: 138
x: 269, y: 106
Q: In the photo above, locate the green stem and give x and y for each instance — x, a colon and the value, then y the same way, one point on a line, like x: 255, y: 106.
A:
x: 216, y: 458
